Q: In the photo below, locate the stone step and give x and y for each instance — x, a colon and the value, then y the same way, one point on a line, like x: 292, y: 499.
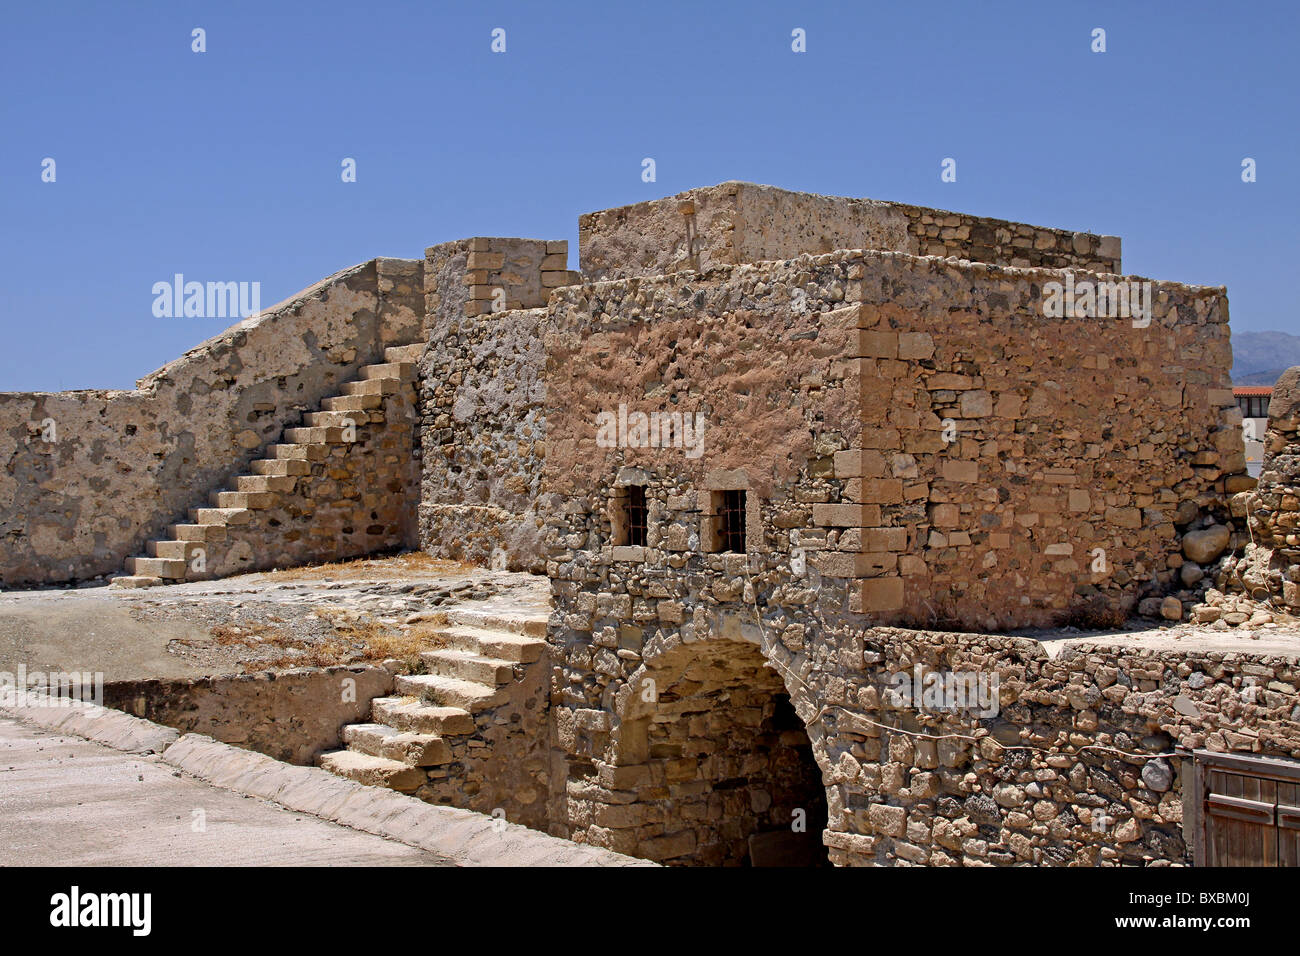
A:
x: 135, y: 581
x: 253, y: 500
x: 175, y: 550
x: 280, y: 484
x: 156, y: 567
x: 404, y: 353
x: 331, y: 436
x: 375, y: 771
x: 197, y: 532
x: 413, y: 716
x: 378, y: 386
x: 414, y: 750
x: 305, y: 452
x: 352, y: 403
x: 280, y: 466
x: 468, y: 666
x: 404, y: 371
x: 517, y: 648
x: 448, y: 691
x: 221, y: 516
x: 533, y: 625
x: 353, y: 420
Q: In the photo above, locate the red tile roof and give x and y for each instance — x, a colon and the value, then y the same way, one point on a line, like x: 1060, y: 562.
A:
x: 1249, y: 390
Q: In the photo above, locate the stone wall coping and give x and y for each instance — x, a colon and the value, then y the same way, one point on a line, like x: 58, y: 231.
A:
x: 733, y: 186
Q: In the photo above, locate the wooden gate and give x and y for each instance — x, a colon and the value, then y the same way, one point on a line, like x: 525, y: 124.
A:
x: 1245, y: 811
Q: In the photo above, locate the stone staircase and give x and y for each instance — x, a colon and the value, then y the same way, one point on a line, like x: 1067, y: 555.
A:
x: 438, y: 719
x: 300, y: 467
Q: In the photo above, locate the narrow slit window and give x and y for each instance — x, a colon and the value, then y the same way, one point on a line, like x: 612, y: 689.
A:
x: 634, y: 502
x: 731, y: 521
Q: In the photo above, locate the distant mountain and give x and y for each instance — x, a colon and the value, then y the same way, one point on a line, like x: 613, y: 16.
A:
x: 1258, y: 358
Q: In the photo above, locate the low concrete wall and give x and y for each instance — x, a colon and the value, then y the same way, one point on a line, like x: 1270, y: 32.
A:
x: 124, y: 465
x: 290, y: 716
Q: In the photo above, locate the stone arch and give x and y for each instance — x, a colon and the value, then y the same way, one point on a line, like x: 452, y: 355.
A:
x: 718, y: 741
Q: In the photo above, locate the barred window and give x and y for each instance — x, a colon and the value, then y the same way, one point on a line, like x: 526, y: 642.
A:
x: 635, y: 509
x: 731, y: 521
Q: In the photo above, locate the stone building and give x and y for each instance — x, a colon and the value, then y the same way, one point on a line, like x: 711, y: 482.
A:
x: 796, y: 467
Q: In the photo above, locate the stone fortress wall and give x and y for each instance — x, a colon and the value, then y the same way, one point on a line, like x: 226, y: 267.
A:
x: 925, y: 454
x: 126, y: 464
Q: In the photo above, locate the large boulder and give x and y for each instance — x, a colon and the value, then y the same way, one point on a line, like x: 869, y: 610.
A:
x: 1204, y: 545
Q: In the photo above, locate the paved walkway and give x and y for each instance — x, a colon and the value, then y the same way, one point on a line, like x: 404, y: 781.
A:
x: 65, y: 801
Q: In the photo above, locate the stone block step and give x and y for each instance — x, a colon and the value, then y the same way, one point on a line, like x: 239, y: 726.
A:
x: 448, y: 691
x: 156, y: 567
x: 353, y: 420
x: 135, y: 581
x: 280, y: 484
x: 197, y: 532
x: 175, y: 550
x: 222, y: 516
x: 533, y: 625
x: 375, y: 771
x: 414, y: 750
x: 404, y: 353
x: 306, y: 452
x: 405, y: 371
x: 378, y: 386
x: 468, y: 666
x: 352, y: 403
x: 280, y: 466
x: 517, y: 648
x: 253, y: 500
x: 413, y: 716
x: 332, y: 436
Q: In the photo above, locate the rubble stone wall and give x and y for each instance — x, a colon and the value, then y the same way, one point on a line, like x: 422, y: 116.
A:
x: 734, y: 223
x: 482, y: 433
x: 1269, y: 569
x: 124, y: 465
x: 291, y: 716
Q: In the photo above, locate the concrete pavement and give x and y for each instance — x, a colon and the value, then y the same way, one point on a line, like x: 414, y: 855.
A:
x: 65, y: 801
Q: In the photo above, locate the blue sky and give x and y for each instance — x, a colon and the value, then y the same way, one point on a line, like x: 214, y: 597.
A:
x: 225, y: 165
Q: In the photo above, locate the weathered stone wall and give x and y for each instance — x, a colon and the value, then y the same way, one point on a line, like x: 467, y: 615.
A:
x: 291, y: 715
x: 350, y: 498
x: 1076, y: 768
x: 481, y: 398
x: 126, y: 464
x: 1067, y: 435
x: 735, y: 223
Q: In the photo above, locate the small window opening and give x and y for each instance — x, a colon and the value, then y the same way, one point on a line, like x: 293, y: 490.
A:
x: 634, y: 504
x: 731, y: 521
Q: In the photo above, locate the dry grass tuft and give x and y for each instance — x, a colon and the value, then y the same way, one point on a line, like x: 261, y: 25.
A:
x: 395, y: 566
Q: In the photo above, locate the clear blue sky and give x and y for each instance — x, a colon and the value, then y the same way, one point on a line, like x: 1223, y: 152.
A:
x: 225, y: 165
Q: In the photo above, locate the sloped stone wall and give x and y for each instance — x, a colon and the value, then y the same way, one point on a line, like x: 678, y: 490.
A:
x: 124, y: 465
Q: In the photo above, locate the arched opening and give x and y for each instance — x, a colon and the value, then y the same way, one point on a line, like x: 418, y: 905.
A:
x: 733, y: 779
